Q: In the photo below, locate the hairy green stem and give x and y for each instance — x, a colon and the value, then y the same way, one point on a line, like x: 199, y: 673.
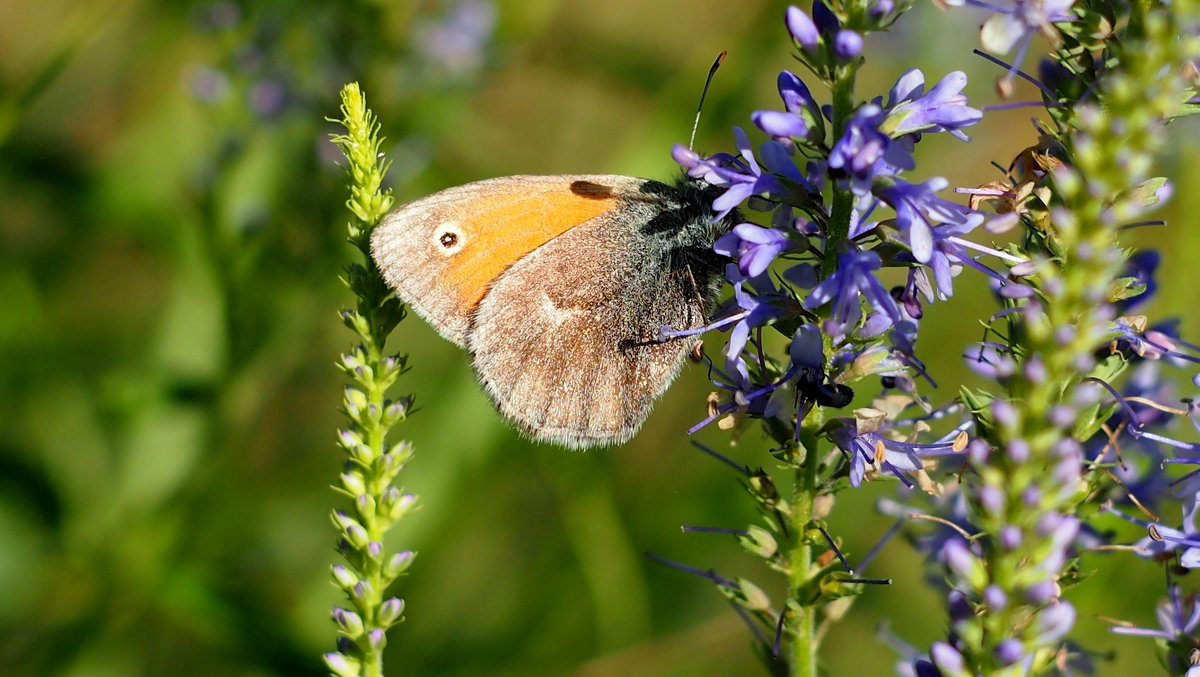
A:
x: 842, y: 199
x: 800, y: 584
x: 376, y: 503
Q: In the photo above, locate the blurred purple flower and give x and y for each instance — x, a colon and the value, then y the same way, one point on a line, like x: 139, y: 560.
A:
x: 267, y: 97
x: 947, y: 658
x: 953, y: 515
x: 208, y: 84
x: 882, y: 8
x: 1138, y: 462
x: 1163, y: 540
x: 1152, y: 343
x: 218, y: 16
x: 1141, y: 266
x: 457, y: 42
x: 1016, y: 25
x: 1178, y: 619
x: 1054, y: 621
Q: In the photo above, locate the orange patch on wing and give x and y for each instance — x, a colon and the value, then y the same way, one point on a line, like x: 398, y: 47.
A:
x: 501, y: 229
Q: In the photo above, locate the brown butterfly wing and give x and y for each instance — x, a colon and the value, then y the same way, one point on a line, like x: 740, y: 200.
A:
x: 566, y: 340
x: 441, y: 253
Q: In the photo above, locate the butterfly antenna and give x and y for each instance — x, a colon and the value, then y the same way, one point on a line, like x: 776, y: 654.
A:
x: 711, y: 72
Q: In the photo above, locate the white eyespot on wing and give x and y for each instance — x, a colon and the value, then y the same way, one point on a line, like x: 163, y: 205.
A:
x: 448, y: 238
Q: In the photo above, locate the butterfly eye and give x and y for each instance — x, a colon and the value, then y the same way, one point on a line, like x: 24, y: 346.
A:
x: 448, y: 238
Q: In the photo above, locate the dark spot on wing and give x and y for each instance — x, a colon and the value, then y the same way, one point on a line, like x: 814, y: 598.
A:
x: 658, y: 188
x: 685, y: 204
x: 594, y: 191
x: 665, y: 221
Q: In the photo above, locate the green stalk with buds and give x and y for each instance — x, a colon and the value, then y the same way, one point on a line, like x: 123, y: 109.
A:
x: 372, y: 463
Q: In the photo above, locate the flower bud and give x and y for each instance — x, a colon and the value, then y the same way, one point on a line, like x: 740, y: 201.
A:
x: 344, y: 577
x: 779, y: 125
x: 978, y: 451
x: 364, y: 504
x: 398, y: 563
x: 1009, y: 651
x: 1041, y: 592
x: 342, y: 665
x: 1018, y: 450
x: 753, y: 598
x: 882, y: 8
x: 349, y: 439
x: 948, y: 660
x: 847, y: 45
x: 958, y: 607
x: 965, y: 565
x: 361, y: 591
x: 758, y: 541
x: 802, y: 28
x: 353, y: 482
x: 991, y: 499
x: 401, y: 506
x: 390, y: 611
x: 1054, y: 621
x: 349, y: 622
x: 995, y: 597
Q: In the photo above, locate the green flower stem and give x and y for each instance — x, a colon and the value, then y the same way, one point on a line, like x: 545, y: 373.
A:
x: 802, y: 611
x: 842, y: 199
x: 1110, y: 152
x: 377, y: 504
x: 805, y: 643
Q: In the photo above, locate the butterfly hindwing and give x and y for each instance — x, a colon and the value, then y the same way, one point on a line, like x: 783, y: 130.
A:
x: 566, y: 342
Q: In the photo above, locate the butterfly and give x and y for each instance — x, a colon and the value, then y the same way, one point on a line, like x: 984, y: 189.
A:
x: 560, y: 287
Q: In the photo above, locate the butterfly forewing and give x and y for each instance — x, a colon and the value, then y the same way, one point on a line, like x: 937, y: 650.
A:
x: 442, y: 252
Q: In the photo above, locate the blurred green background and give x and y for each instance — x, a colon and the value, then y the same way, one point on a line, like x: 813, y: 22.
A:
x: 171, y: 232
